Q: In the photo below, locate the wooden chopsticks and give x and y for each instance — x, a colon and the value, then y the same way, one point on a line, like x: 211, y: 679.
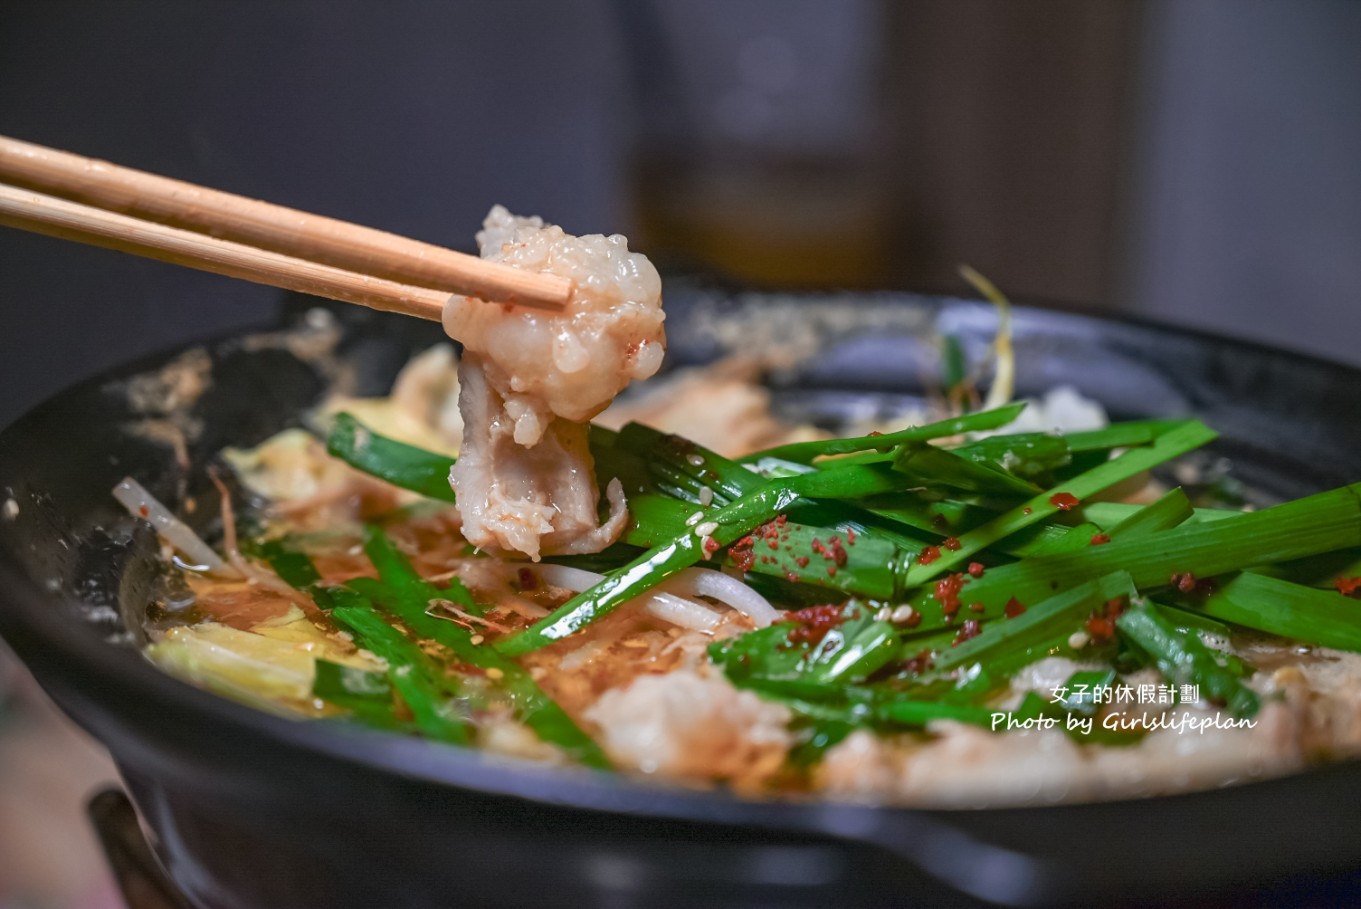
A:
x: 76, y: 198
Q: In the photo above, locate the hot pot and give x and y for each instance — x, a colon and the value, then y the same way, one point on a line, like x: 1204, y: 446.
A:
x: 248, y: 810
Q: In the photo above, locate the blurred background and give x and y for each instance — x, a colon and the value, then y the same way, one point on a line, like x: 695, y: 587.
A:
x: 1191, y: 161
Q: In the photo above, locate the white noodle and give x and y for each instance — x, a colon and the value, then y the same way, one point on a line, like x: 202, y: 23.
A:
x: 729, y: 590
x: 672, y: 596
x: 134, y: 497
x: 663, y: 605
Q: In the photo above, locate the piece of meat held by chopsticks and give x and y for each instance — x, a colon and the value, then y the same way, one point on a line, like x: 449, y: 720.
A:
x: 531, y: 379
x: 572, y: 320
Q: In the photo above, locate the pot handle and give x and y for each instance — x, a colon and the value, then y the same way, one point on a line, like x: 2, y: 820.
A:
x: 139, y: 874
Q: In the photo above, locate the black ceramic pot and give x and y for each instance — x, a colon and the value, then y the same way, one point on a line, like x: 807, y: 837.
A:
x: 252, y: 811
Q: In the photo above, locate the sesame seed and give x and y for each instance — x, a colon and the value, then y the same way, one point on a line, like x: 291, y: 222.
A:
x: 694, y: 519
x: 1078, y: 639
x: 902, y: 614
x: 494, y: 673
x: 706, y: 496
x: 476, y: 639
x: 706, y: 529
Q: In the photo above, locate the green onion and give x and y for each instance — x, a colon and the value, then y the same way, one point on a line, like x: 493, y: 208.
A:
x: 927, y: 465
x: 410, y: 671
x: 1184, y: 660
x: 293, y: 566
x: 1010, y: 644
x: 403, y: 592
x: 1322, y: 617
x: 730, y: 523
x: 805, y: 452
x: 1171, y: 509
x: 397, y: 462
x: 366, y: 695
x: 1174, y: 442
x: 1318, y: 523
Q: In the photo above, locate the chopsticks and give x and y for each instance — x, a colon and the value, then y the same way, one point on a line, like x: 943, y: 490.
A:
x: 90, y: 201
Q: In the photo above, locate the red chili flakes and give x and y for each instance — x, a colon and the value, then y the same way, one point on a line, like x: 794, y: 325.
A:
x: 1100, y: 625
x: 1348, y: 587
x: 1013, y: 608
x: 770, y: 531
x: 920, y: 663
x: 1100, y: 628
x: 873, y: 434
x: 710, y: 546
x: 914, y: 619
x: 1027, y: 510
x: 742, y: 555
x: 791, y: 577
x: 144, y: 511
x: 1064, y: 501
x: 527, y: 579
x: 951, y: 543
x: 802, y: 561
x: 976, y: 569
x: 947, y: 592
x: 831, y: 571
x: 850, y: 536
x: 939, y: 521
x: 976, y: 607
x: 813, y: 623
x: 1100, y: 539
x: 970, y: 629
x: 928, y: 555
x: 1183, y: 581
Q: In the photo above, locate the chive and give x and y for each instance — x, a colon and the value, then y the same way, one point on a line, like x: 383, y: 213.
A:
x: 1183, y: 659
x: 1070, y: 539
x: 1010, y: 644
x: 1191, y: 620
x: 731, y: 522
x: 1080, y: 691
x: 293, y: 566
x: 407, y: 595
x: 927, y: 465
x: 1322, y: 617
x: 907, y: 712
x: 805, y: 452
x: 1028, y: 454
x: 366, y: 695
x: 1171, y: 509
x: 397, y: 462
x: 1079, y: 703
x: 409, y: 587
x: 1178, y: 441
x: 1320, y: 523
x: 943, y: 517
x: 410, y: 672
x: 1108, y: 514
x: 1119, y: 435
x: 856, y: 706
